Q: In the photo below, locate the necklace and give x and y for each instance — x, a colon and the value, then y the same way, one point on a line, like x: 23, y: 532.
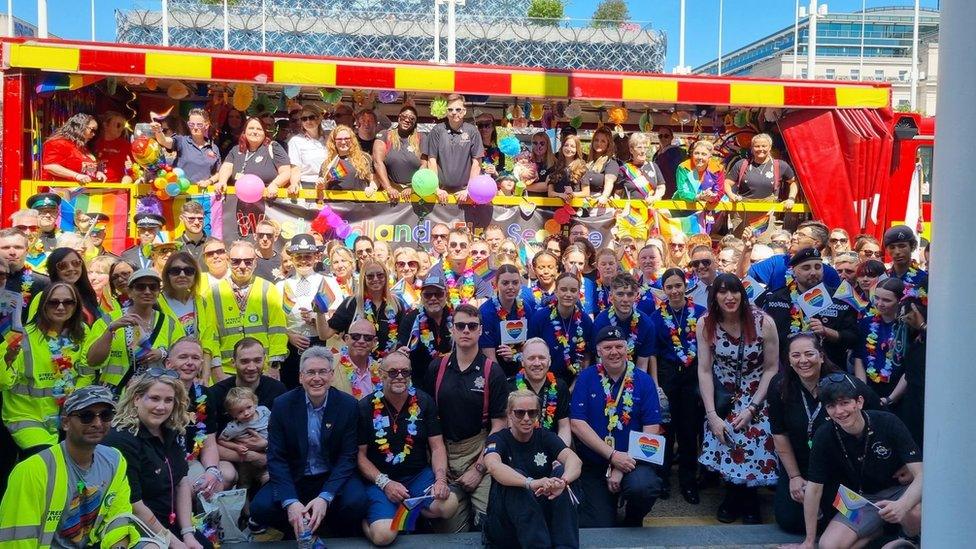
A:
x: 542, y: 297
x: 199, y: 421
x: 561, y: 335
x: 602, y: 297
x: 456, y: 295
x: 632, y: 338
x: 617, y: 422
x: 26, y: 283
x: 678, y: 339
x: 422, y: 332
x: 797, y: 322
x: 864, y: 453
x: 549, y: 406
x: 350, y: 369
x: 60, y: 346
x: 369, y: 311
x: 912, y: 279
x: 381, y: 421
x: 892, y: 351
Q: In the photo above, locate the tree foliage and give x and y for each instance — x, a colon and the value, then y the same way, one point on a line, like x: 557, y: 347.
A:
x: 546, y: 12
x: 610, y: 13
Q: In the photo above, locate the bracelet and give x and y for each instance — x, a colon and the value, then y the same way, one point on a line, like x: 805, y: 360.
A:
x: 381, y: 481
x: 216, y: 472
x: 528, y: 483
x: 187, y: 530
x: 612, y: 452
x: 794, y: 476
x: 924, y: 326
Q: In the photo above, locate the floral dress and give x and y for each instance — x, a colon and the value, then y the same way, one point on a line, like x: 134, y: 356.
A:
x: 750, y: 458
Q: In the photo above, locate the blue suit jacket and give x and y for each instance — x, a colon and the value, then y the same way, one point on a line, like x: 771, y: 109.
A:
x: 288, y: 442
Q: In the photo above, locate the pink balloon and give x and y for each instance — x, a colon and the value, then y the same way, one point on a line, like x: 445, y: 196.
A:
x: 482, y: 189
x: 249, y: 188
x: 333, y: 218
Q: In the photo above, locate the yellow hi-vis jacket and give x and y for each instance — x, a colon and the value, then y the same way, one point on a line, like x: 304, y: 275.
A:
x: 31, y: 391
x: 37, y: 497
x: 204, y: 329
x: 263, y: 318
x: 121, y: 357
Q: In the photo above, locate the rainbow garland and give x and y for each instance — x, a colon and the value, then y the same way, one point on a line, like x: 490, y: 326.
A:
x: 687, y: 357
x: 562, y: 338
x: 615, y: 421
x: 456, y: 295
x: 542, y: 297
x: 797, y: 322
x: 381, y: 422
x: 632, y: 338
x: 347, y: 366
x: 199, y: 421
x: 913, y: 288
x: 549, y: 406
x: 891, y: 351
x: 369, y: 311
x: 26, y: 283
x: 602, y: 298
x: 423, y: 333
x: 64, y: 372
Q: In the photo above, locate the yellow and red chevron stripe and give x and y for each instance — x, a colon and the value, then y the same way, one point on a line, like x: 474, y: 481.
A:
x: 124, y: 60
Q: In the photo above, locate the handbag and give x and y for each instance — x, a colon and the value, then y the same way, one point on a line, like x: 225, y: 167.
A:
x: 724, y: 400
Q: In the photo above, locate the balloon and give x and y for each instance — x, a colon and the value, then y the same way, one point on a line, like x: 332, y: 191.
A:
x: 331, y: 96
x: 172, y: 189
x: 172, y: 177
x: 645, y: 123
x: 139, y: 145
x: 576, y: 122
x: 177, y: 90
x: 145, y: 151
x: 152, y: 84
x: 333, y: 219
x: 343, y: 230
x: 249, y: 188
x: 482, y: 189
x: 389, y: 96
x: 159, y: 183
x: 535, y: 113
x: 573, y: 110
x: 552, y: 226
x: 438, y: 107
x: 243, y: 96
x: 561, y: 216
x: 510, y: 146
x: 351, y: 239
x: 179, y: 172
x: 292, y: 92
x: 617, y: 115
x: 184, y: 184
x: 161, y: 194
x: 424, y: 182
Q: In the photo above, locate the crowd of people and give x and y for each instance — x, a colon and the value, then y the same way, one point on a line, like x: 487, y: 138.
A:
x: 339, y: 384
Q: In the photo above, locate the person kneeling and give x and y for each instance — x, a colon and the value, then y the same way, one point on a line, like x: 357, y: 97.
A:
x: 531, y: 503
x: 863, y: 450
x: 397, y: 417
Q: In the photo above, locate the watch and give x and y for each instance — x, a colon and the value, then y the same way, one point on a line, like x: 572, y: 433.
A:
x: 480, y: 467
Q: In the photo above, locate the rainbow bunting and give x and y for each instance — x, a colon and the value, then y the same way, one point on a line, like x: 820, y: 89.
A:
x: 112, y: 202
x: 759, y: 225
x: 849, y: 503
x: 627, y: 263
x: 405, y: 519
x: 61, y: 82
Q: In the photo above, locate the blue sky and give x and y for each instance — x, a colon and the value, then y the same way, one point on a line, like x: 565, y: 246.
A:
x: 745, y: 20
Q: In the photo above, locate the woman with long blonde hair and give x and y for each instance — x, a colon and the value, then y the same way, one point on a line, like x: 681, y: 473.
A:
x: 347, y: 166
x: 602, y: 168
x: 566, y: 180
x: 545, y: 162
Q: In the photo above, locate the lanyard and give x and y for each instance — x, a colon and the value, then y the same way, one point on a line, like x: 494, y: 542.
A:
x: 811, y: 417
x: 864, y: 453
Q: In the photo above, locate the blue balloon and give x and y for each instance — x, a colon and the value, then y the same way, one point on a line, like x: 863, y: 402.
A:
x: 510, y: 146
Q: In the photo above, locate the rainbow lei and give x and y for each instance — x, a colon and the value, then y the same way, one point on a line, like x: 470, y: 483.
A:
x: 562, y: 338
x: 369, y: 311
x: 64, y: 373
x: 686, y: 357
x: 381, y: 421
x: 912, y: 286
x: 347, y: 365
x: 797, y: 322
x: 602, y: 298
x: 614, y: 421
x: 199, y: 421
x: 549, y: 406
x: 632, y: 338
x: 888, y: 346
x: 423, y: 333
x: 542, y: 297
x: 455, y: 295
x: 26, y: 283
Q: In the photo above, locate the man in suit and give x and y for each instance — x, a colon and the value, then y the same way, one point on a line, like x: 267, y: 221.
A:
x: 312, y: 450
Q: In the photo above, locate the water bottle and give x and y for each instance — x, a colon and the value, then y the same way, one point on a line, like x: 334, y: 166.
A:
x: 305, y: 540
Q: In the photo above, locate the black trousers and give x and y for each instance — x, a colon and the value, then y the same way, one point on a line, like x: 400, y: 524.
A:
x: 598, y: 507
x: 517, y: 518
x: 343, y: 517
x: 289, y: 368
x: 687, y: 417
x: 789, y: 513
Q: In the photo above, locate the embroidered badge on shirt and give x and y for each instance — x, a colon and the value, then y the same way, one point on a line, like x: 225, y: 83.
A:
x: 479, y: 383
x: 540, y: 459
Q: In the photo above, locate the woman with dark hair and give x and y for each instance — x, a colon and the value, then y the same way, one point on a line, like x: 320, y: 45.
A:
x: 256, y: 154
x: 397, y: 155
x: 179, y: 300
x: 555, y: 244
x: 66, y: 265
x: 42, y: 368
x: 674, y: 367
x: 795, y: 414
x: 494, y: 161
x: 508, y: 305
x: 66, y: 156
x: 566, y: 329
x: 866, y: 275
x: 574, y: 261
x: 545, y: 265
x: 868, y: 247
x: 230, y: 131
x: 602, y: 169
x: 738, y: 350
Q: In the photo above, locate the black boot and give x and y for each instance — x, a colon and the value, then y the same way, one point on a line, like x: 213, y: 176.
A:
x: 731, y: 507
x: 750, y: 508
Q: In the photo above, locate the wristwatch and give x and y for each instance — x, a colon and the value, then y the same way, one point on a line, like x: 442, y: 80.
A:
x: 480, y: 467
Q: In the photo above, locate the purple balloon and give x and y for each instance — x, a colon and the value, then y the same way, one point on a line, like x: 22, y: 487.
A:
x: 482, y: 189
x: 343, y: 229
x: 333, y: 218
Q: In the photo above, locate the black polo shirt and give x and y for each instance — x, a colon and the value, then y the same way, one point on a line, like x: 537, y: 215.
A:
x: 345, y: 314
x: 533, y: 458
x: 840, y: 316
x: 420, y: 355
x: 265, y: 267
x: 461, y: 398
x: 454, y: 150
x: 267, y: 391
x: 562, y: 400
x: 38, y: 283
x: 200, y: 396
x: 758, y: 181
x: 195, y: 248
x: 883, y: 448
x: 428, y: 425
x: 154, y: 468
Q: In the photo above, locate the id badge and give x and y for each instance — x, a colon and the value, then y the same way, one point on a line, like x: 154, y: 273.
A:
x: 610, y: 441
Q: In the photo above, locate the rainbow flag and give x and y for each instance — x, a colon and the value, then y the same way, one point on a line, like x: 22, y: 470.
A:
x: 405, y: 519
x: 213, y: 213
x: 287, y: 299
x: 627, y: 263
x: 670, y: 226
x: 760, y: 225
x: 482, y: 269
x: 112, y: 202
x: 846, y: 293
x: 338, y: 172
x: 850, y: 504
x: 323, y: 298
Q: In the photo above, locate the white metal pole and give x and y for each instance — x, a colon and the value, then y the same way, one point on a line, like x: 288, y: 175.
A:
x: 451, y: 32
x: 93, y: 19
x: 721, y: 6
x: 796, y: 36
x: 681, y: 38
x: 950, y: 442
x: 165, y: 10
x: 10, y: 18
x: 437, y: 31
x: 42, y: 18
x: 226, y: 27
x: 864, y: 21
x: 912, y: 99
x: 264, y: 27
x: 812, y: 41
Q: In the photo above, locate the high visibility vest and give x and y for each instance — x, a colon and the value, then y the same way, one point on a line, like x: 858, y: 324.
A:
x: 30, y: 399
x: 204, y: 327
x: 121, y: 357
x: 28, y: 521
x: 263, y: 318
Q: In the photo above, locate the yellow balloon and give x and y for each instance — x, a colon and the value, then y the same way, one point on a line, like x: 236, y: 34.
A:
x: 243, y: 97
x: 536, y: 113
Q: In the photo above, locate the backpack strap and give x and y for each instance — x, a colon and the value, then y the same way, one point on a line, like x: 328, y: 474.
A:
x: 484, y: 406
x: 743, y: 166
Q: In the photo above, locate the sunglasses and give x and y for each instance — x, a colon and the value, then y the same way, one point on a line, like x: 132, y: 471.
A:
x: 308, y: 118
x: 362, y: 337
x: 181, y: 271
x: 157, y: 373
x: 193, y: 218
x: 403, y: 373
x: 455, y: 109
x: 196, y: 125
x: 69, y: 263
x: 480, y: 252
x: 343, y: 139
x: 405, y: 264
x: 703, y: 263
x: 467, y: 326
x: 145, y: 286
x: 59, y: 303
x: 434, y: 236
x: 838, y: 240
x: 432, y: 295
x: 871, y: 254
x: 247, y: 262
x: 407, y: 118
x: 87, y: 416
x: 26, y: 228
x: 484, y: 125
x: 212, y: 253
x: 836, y: 378
x: 261, y: 236
x: 458, y: 245
x: 538, y: 144
x: 375, y: 276
x: 520, y: 413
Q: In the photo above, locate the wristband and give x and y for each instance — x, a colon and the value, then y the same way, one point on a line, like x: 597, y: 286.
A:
x: 612, y: 452
x: 381, y: 481
x: 213, y: 469
x: 528, y: 483
x: 187, y: 530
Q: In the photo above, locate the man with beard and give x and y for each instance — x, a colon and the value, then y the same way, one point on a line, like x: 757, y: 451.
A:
x: 429, y: 336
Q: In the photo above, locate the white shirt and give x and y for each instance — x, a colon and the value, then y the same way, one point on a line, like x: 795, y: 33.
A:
x: 303, y: 295
x: 308, y: 154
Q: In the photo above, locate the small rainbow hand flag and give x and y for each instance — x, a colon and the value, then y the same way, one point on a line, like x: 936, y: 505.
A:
x: 338, y: 172
x: 287, y: 299
x: 760, y: 225
x: 627, y: 263
x: 850, y: 504
x: 481, y: 268
x: 405, y: 518
x: 323, y: 298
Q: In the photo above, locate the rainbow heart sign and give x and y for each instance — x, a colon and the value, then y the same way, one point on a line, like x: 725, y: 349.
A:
x: 513, y: 331
x: 814, y: 297
x: 815, y: 300
x: 646, y: 447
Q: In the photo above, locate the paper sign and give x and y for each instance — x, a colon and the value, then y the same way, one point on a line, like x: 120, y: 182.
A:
x: 646, y: 447
x: 753, y: 287
x: 513, y: 331
x: 815, y: 300
x: 699, y: 294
